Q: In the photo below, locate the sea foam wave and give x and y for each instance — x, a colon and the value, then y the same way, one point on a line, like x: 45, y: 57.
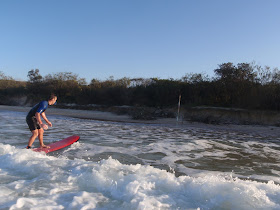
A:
x: 32, y: 180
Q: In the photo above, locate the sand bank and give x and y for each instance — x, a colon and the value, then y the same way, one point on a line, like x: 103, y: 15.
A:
x: 262, y: 131
x: 90, y: 114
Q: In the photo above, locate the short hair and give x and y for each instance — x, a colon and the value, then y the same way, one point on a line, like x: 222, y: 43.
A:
x: 52, y: 96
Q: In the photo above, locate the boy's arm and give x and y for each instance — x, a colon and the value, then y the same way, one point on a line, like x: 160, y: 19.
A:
x: 37, y: 115
x: 46, y: 119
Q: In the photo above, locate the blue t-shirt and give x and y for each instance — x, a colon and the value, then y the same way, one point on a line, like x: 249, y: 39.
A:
x: 40, y: 107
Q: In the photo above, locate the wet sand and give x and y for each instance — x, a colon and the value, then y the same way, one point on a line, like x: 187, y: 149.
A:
x: 271, y: 131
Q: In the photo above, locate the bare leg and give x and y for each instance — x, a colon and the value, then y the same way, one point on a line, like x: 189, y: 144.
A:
x: 41, y: 136
x: 33, y: 137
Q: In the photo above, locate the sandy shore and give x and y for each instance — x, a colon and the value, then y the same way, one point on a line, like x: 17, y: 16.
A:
x: 264, y: 131
x: 89, y: 114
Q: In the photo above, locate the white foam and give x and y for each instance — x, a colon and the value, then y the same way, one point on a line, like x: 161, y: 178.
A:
x: 85, y: 200
x: 45, y: 182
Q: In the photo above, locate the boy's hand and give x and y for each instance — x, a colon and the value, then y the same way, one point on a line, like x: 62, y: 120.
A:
x: 44, y: 126
x: 50, y: 124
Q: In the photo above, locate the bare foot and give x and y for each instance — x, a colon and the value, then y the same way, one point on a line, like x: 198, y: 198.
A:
x: 45, y: 146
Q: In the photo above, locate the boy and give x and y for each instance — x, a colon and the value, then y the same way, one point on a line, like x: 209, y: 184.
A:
x: 34, y: 122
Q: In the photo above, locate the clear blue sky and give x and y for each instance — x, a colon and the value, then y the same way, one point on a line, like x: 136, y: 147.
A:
x: 136, y: 38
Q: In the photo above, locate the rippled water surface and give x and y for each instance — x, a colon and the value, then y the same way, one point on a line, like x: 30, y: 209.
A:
x: 130, y: 166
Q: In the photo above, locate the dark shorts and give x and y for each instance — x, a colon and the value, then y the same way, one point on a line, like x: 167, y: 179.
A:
x: 32, y: 123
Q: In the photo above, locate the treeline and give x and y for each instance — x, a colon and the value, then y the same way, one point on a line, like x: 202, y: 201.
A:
x: 244, y: 85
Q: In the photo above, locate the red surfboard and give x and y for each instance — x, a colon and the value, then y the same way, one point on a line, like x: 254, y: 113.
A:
x: 58, y: 145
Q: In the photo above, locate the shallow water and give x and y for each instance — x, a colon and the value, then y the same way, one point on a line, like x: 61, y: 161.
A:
x: 137, y: 166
